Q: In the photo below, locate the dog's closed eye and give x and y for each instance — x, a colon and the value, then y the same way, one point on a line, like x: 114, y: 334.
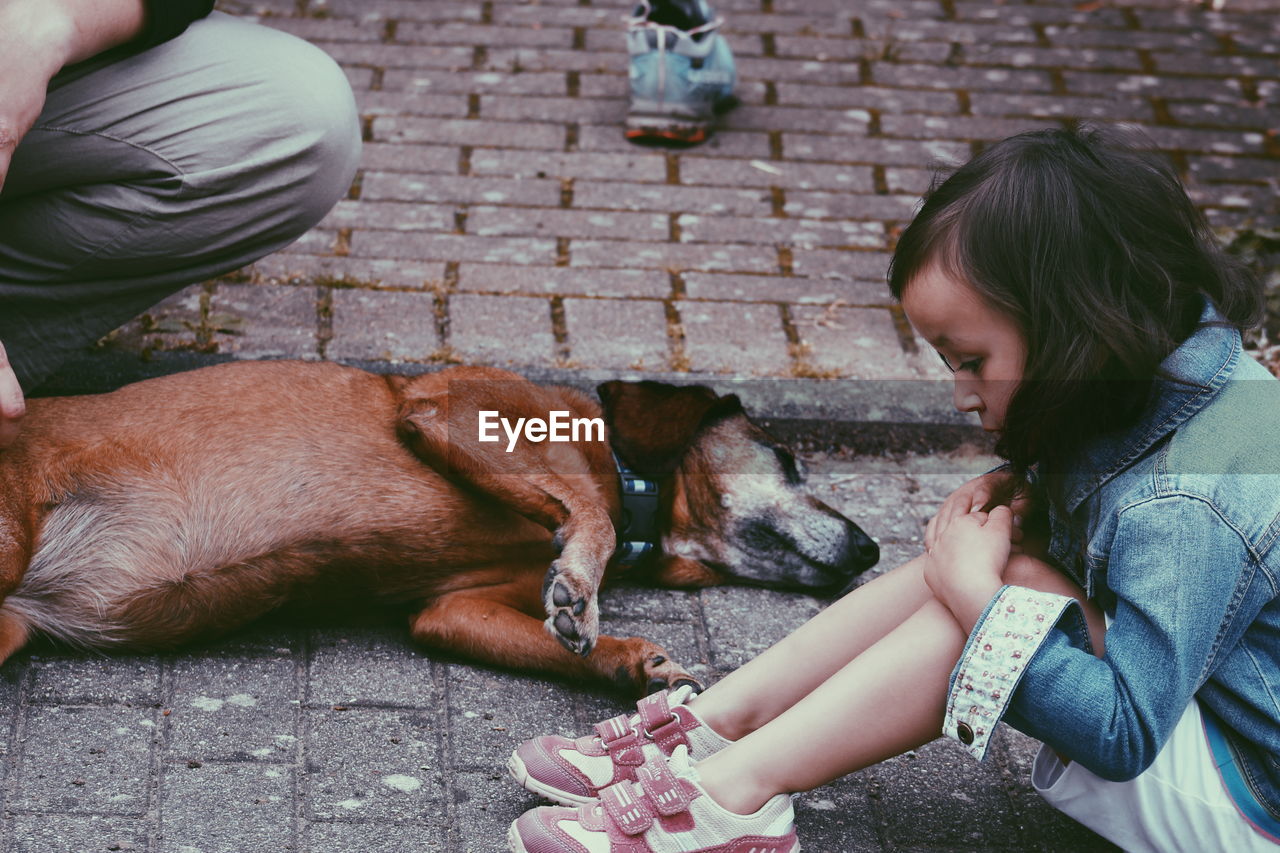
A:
x: 791, y: 467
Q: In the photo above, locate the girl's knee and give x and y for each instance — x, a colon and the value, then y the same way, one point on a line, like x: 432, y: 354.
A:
x: 1034, y: 573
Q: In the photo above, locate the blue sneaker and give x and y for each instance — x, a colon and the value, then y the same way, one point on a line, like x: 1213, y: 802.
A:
x: 682, y: 71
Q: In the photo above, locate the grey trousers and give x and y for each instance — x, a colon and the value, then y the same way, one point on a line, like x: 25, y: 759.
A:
x: 147, y: 174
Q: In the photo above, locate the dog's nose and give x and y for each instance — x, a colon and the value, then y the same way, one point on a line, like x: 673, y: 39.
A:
x: 868, y: 550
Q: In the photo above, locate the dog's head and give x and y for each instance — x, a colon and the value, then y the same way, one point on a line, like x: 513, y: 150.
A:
x: 739, y: 511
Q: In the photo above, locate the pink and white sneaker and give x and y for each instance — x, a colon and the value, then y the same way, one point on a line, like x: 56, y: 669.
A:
x: 574, y: 771
x: 664, y: 811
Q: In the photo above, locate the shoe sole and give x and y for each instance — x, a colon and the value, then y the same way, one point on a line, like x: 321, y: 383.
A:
x: 516, y: 845
x: 515, y: 766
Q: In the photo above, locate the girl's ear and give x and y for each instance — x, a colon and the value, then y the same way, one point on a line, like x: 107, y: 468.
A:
x: 652, y: 424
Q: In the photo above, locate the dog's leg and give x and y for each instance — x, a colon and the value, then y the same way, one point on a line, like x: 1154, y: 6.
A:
x: 14, y: 634
x: 497, y: 633
x: 15, y: 553
x: 551, y: 485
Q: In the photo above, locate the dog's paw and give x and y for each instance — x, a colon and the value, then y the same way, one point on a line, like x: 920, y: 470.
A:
x: 573, y: 615
x: 659, y: 673
x: 646, y: 668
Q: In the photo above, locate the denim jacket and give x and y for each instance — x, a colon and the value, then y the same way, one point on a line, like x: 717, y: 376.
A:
x: 1173, y: 528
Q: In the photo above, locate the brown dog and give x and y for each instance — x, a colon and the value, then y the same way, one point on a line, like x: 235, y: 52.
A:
x: 185, y: 506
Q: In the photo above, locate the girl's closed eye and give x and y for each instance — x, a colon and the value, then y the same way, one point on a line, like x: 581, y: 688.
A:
x: 971, y: 365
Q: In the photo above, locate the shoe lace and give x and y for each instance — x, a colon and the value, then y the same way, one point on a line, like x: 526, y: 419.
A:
x: 639, y: 19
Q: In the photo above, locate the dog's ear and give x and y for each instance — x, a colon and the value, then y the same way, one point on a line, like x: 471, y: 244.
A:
x: 652, y: 424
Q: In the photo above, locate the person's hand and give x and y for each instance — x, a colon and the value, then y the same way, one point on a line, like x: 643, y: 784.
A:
x: 965, y: 567
x: 39, y: 37
x: 981, y: 494
x: 25, y: 70
x: 12, y: 404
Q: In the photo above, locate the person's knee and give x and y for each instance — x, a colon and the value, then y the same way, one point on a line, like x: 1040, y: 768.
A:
x: 306, y: 98
x: 1028, y: 571
x: 1034, y: 573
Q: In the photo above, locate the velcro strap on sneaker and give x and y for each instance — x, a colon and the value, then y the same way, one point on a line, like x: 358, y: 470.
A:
x: 663, y: 788
x: 654, y: 711
x: 670, y: 734
x: 629, y: 812
x: 614, y: 728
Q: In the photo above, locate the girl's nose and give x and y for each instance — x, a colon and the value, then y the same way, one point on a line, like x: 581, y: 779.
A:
x: 965, y: 398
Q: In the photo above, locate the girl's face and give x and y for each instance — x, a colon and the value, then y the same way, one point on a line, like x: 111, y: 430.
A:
x: 983, y: 347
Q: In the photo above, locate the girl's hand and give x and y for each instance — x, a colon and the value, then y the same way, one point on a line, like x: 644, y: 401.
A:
x: 981, y: 494
x: 965, y: 567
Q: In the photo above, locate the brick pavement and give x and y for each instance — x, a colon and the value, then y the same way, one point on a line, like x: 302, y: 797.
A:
x: 499, y: 217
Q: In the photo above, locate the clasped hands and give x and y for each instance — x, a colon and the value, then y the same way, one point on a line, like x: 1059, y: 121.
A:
x: 969, y: 541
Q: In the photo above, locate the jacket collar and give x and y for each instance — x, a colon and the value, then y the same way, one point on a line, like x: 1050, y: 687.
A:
x: 1201, y: 365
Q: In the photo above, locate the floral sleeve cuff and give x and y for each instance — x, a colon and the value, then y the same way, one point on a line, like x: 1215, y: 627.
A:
x: 1009, y: 633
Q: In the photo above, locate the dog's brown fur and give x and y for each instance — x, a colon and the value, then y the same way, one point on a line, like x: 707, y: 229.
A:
x: 185, y: 506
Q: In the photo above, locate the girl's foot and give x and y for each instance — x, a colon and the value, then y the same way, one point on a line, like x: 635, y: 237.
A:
x: 573, y: 772
x: 664, y: 811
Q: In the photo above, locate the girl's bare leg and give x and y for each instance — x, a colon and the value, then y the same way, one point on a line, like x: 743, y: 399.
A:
x: 766, y: 686
x: 886, y: 700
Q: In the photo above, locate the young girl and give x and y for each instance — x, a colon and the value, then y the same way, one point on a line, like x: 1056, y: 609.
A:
x: 1092, y: 324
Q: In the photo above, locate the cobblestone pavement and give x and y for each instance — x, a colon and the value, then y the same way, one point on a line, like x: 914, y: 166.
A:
x: 346, y: 739
x: 499, y: 217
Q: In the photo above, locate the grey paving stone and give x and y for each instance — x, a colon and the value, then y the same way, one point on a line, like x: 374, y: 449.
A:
x: 253, y: 321
x: 388, y: 157
x: 671, y: 199
x: 771, y: 173
x: 85, y: 759
x: 839, y: 816
x: 673, y: 256
x: 498, y: 331
x: 792, y: 289
x: 174, y: 323
x: 743, y: 623
x: 486, y: 221
x: 563, y: 281
x: 383, y: 326
x: 74, y: 679
x: 491, y: 713
x: 728, y: 337
x: 374, y: 765
x: 860, y: 206
x: 459, y: 132
x: 898, y: 152
x: 392, y: 216
x: 387, y: 837
x: 371, y: 272
x: 788, y: 231
x: 929, y: 796
x: 486, y: 804
x: 62, y: 833
x: 369, y: 666
x: 618, y: 334
x: 860, y: 343
x: 638, y: 603
x: 438, y: 188
x: 452, y: 247
x: 606, y: 166
x: 233, y: 709
x: 226, y: 808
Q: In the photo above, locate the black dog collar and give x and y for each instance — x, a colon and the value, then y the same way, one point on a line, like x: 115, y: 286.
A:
x: 638, y: 529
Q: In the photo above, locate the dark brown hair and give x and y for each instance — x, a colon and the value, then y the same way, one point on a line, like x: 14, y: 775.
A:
x: 1093, y: 248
